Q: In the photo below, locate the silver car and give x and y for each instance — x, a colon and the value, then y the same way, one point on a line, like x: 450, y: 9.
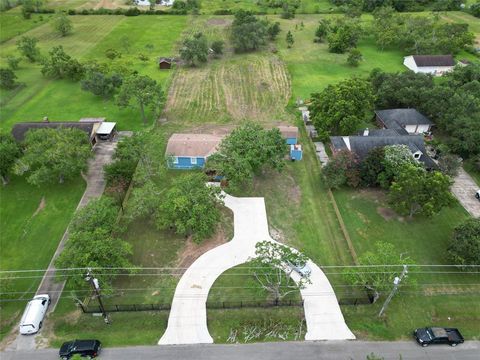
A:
x: 302, y: 269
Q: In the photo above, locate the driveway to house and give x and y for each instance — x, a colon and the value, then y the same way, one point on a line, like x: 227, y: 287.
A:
x: 95, y: 187
x: 464, y: 189
x: 187, y: 323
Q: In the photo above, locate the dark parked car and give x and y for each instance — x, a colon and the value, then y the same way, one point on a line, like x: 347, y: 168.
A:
x: 436, y: 335
x: 85, y: 348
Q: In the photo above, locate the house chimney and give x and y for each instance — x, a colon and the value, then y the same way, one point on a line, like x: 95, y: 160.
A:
x: 366, y: 132
x: 45, y: 119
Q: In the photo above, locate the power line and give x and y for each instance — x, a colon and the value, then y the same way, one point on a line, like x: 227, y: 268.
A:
x: 243, y: 267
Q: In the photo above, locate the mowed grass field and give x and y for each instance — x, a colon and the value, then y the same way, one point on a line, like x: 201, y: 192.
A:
x: 32, y: 222
x: 92, y: 35
x: 306, y: 6
x: 230, y: 89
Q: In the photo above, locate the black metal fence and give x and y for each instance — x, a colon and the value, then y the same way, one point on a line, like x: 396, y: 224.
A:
x: 90, y: 308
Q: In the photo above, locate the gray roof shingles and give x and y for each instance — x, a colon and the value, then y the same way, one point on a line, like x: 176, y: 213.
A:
x: 434, y: 60
x: 399, y: 118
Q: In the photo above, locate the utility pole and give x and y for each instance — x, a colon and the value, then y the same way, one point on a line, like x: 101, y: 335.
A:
x: 396, y: 283
x: 96, y: 287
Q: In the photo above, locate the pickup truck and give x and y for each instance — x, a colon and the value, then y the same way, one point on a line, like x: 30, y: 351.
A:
x: 436, y: 335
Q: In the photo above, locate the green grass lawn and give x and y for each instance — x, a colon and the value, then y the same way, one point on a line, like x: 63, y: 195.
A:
x: 312, y: 67
x: 13, y: 24
x: 306, y: 6
x: 63, y: 99
x: 33, y: 220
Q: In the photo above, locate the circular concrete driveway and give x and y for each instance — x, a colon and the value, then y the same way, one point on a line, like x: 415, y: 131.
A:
x: 187, y: 323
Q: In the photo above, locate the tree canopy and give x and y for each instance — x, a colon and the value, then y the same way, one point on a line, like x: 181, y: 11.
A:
x: 60, y: 65
x: 62, y: 24
x: 273, y: 265
x: 9, y: 152
x: 378, y: 276
x: 416, y: 191
x: 190, y: 207
x: 27, y: 46
x: 142, y: 91
x: 341, y: 108
x: 53, y: 155
x: 464, y: 248
x: 194, y: 50
x: 246, y: 151
x: 247, y: 32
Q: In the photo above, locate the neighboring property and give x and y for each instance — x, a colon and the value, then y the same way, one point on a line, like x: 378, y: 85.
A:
x: 404, y: 121
x: 370, y: 139
x: 95, y: 128
x: 430, y: 64
x: 189, y: 151
x: 165, y: 63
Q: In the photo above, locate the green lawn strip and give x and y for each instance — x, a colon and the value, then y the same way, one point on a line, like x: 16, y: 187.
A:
x: 126, y: 328
x: 30, y: 233
x: 13, y: 24
x: 306, y: 6
x: 408, y: 312
x: 472, y: 170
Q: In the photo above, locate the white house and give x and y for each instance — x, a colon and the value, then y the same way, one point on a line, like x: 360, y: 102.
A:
x: 429, y: 64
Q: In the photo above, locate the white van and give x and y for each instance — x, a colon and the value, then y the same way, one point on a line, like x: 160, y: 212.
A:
x: 32, y: 318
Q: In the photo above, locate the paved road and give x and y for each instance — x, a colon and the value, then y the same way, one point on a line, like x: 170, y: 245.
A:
x: 187, y: 322
x: 324, y: 350
x: 95, y: 187
x: 464, y: 188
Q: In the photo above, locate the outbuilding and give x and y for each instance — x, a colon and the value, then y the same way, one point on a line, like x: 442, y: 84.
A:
x: 289, y: 133
x: 165, y: 63
x: 430, y: 64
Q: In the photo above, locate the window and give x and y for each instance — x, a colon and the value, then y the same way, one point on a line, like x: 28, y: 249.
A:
x: 193, y: 161
x: 417, y: 155
x: 175, y: 160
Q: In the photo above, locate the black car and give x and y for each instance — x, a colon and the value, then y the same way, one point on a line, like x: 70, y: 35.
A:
x: 85, y: 348
x: 437, y: 335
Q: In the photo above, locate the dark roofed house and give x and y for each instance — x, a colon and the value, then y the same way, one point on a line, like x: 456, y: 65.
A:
x: 361, y: 145
x: 165, y: 63
x: 404, y: 121
x: 429, y: 64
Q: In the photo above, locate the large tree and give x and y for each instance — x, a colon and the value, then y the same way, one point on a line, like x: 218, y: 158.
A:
x: 246, y: 151
x: 416, y: 191
x: 60, y: 65
x: 273, y: 266
x: 95, y: 249
x: 247, y: 32
x: 464, y: 248
x: 7, y: 79
x: 62, y: 24
x: 342, y: 169
x: 100, y: 83
x: 28, y: 47
x: 190, y: 207
x: 53, y: 155
x: 343, y: 35
x: 9, y: 152
x: 195, y: 50
x: 395, y: 159
x: 341, y: 108
x: 97, y: 214
x: 376, y: 272
x: 142, y: 91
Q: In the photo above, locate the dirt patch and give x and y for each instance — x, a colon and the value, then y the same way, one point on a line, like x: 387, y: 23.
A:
x: 219, y: 22
x: 375, y: 195
x: 193, y: 251
x: 105, y: 4
x: 386, y: 213
x: 41, y: 206
x: 277, y: 235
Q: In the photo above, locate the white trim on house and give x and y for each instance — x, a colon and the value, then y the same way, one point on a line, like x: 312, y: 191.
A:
x: 193, y: 160
x: 410, y: 63
x: 346, y: 139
